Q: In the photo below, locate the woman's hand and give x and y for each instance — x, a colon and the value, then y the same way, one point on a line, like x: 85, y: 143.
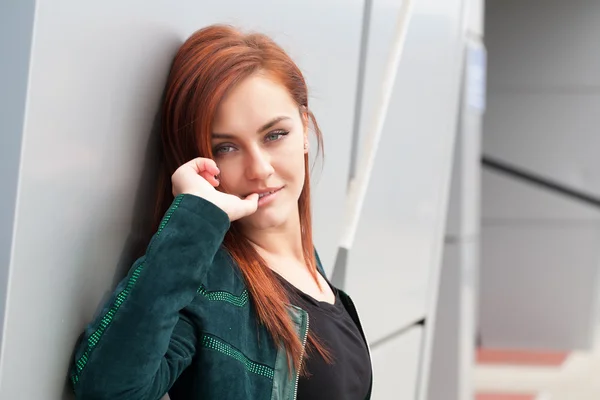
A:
x: 197, y: 177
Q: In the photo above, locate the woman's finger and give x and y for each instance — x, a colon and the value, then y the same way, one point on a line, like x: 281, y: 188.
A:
x: 250, y: 204
x: 210, y: 178
x: 201, y: 164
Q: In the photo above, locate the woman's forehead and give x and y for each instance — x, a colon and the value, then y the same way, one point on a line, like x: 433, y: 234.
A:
x: 253, y: 103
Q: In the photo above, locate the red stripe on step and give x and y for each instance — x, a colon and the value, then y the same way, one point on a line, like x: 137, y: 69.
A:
x: 499, y: 396
x: 521, y: 357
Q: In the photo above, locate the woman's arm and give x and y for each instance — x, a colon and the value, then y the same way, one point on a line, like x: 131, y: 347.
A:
x: 142, y: 340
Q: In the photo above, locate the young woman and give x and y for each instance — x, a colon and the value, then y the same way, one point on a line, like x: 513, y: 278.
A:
x: 230, y: 300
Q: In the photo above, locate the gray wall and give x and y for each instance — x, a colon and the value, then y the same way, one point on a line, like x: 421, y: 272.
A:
x: 89, y: 138
x: 540, y: 250
x: 16, y: 30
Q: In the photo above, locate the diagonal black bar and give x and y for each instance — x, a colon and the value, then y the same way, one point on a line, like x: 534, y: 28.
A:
x: 396, y: 333
x: 540, y: 181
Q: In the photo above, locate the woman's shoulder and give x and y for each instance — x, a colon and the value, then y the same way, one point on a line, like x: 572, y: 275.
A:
x: 223, y: 275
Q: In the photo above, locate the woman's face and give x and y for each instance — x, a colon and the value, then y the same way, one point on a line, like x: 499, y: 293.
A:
x: 258, y: 142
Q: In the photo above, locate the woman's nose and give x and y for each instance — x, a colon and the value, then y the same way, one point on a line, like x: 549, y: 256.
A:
x: 259, y: 165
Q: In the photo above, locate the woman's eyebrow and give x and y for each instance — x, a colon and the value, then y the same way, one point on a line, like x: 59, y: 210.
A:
x: 263, y: 128
x: 271, y: 123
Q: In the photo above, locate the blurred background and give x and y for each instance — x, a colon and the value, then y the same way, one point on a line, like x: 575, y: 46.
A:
x: 458, y: 202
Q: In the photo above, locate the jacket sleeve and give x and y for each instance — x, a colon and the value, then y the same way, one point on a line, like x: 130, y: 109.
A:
x: 142, y: 340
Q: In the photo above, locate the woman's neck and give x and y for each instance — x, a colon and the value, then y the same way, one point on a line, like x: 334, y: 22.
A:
x: 284, y: 241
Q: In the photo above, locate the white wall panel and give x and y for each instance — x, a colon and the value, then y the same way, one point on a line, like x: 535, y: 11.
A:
x: 445, y: 375
x: 476, y: 17
x: 401, y: 227
x: 396, y: 365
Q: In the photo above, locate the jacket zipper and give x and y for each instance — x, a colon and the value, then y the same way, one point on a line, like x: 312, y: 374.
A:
x: 301, y: 358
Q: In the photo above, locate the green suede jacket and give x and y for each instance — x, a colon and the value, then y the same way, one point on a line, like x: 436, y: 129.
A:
x: 181, y: 322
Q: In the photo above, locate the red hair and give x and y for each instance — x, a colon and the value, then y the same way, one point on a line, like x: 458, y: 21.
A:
x: 206, y: 67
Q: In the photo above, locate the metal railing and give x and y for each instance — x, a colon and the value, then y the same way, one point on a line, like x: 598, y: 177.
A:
x: 538, y: 180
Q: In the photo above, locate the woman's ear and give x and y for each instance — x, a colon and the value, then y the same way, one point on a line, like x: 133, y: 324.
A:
x: 305, y: 120
x: 304, y: 115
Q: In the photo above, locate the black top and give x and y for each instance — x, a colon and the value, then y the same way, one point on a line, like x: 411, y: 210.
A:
x: 349, y: 377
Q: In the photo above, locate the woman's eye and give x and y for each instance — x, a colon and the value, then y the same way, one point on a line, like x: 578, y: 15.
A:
x: 276, y: 135
x: 223, y: 149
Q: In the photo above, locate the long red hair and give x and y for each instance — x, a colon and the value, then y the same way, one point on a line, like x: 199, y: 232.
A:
x: 206, y: 67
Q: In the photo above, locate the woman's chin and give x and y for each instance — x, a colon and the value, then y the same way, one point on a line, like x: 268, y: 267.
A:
x: 265, y: 218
